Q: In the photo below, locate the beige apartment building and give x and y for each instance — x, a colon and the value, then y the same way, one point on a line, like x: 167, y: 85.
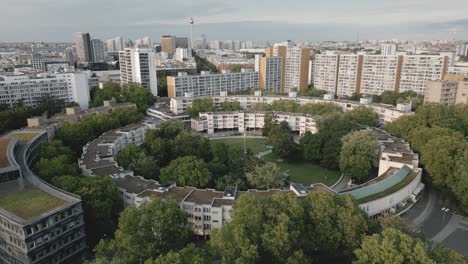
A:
x: 168, y: 44
x: 347, y: 74
x: 453, y: 91
x: 295, y: 67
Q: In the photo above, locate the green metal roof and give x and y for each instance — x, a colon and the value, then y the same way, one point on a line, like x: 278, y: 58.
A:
x: 399, y: 176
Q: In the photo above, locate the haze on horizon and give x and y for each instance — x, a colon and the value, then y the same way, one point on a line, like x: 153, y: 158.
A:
x: 311, y: 20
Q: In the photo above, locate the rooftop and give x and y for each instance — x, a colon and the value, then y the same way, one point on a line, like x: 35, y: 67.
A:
x: 178, y: 193
x: 24, y: 137
x: 203, y: 196
x: 136, y: 184
x: 29, y: 203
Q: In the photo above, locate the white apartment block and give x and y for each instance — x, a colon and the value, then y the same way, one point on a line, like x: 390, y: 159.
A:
x: 98, y: 50
x: 70, y: 87
x: 388, y: 49
x: 463, y: 71
x: 115, y: 44
x: 447, y: 92
x: 348, y: 74
x: 326, y: 72
x: 296, y: 70
x: 387, y: 113
x: 379, y: 74
x: 416, y: 70
x: 207, y: 84
x: 139, y: 66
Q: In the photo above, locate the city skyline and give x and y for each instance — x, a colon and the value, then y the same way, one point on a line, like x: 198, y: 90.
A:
x: 304, y: 20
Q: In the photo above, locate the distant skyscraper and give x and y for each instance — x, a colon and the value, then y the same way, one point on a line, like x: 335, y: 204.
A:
x: 83, y: 46
x: 98, y: 50
x: 216, y: 45
x: 70, y: 55
x: 236, y: 45
x: 168, y: 44
x: 462, y: 49
x: 182, y: 42
x: 145, y: 43
x: 139, y: 66
x: 388, y: 49
x: 115, y: 44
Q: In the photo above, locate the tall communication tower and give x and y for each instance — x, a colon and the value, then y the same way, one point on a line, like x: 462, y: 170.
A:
x: 191, y: 32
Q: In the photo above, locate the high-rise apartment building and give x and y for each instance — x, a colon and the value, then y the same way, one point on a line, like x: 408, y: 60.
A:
x: 454, y: 91
x: 208, y: 84
x: 271, y: 74
x: 70, y: 87
x: 182, y: 42
x: 379, y: 73
x: 98, y: 50
x: 115, y: 44
x: 311, y: 71
x: 83, y: 47
x: 388, y: 49
x: 139, y: 66
x: 348, y: 74
x: 326, y: 72
x: 462, y: 49
x: 296, y: 76
x: 168, y: 44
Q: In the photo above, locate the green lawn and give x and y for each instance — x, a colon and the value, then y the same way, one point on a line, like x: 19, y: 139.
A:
x: 23, y: 137
x: 305, y: 173
x: 256, y: 145
x: 29, y: 203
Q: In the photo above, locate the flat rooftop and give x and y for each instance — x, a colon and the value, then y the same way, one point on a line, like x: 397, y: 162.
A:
x: 24, y: 137
x: 4, y: 143
x: 29, y: 203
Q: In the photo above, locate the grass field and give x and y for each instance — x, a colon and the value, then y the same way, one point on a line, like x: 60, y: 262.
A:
x: 29, y: 203
x: 256, y: 145
x: 23, y: 137
x: 305, y: 173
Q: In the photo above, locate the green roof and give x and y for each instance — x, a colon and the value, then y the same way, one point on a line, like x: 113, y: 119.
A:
x: 381, y: 186
x: 29, y: 203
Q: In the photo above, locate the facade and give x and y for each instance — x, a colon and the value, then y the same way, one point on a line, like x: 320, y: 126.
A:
x: 52, y: 232
x: 138, y: 66
x: 447, y: 92
x: 348, y: 74
x: 83, y: 47
x: 115, y: 44
x: 98, y: 50
x: 144, y: 43
x: 173, y: 69
x: 70, y: 87
x: 168, y: 44
x: 462, y: 49
x: 271, y: 73
x: 387, y: 113
x: 311, y: 71
x: 296, y: 76
x: 326, y: 72
x: 182, y: 42
x: 388, y: 49
x: 245, y: 121
x: 208, y: 84
x: 463, y: 71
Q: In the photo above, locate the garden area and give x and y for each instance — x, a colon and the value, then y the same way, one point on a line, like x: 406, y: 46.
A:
x: 302, y: 172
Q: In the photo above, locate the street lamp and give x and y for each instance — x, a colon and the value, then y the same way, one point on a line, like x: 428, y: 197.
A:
x: 445, y: 210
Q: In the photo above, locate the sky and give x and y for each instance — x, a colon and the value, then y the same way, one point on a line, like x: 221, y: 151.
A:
x: 272, y: 20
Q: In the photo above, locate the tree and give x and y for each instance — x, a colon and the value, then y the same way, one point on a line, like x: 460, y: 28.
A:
x: 359, y: 151
x: 128, y: 155
x: 200, y: 105
x: 101, y: 203
x: 441, y: 254
x: 55, y: 148
x: 187, y: 171
x: 363, y: 115
x: 138, y: 95
x: 389, y: 97
x: 145, y: 166
x: 281, y: 138
x: 189, y: 254
x: 269, y: 121
x: 231, y: 106
x: 419, y: 136
x: 265, y: 176
x: 162, y: 87
x: 236, y: 68
x: 110, y: 91
x: 146, y: 232
x: 311, y: 145
x: 189, y: 144
x: 48, y: 169
x: 392, y: 246
x: 440, y: 156
x: 319, y: 108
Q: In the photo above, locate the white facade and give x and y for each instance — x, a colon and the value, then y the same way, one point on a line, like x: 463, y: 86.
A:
x: 115, y: 44
x: 311, y: 71
x: 293, y: 69
x: 347, y: 75
x: 145, y: 43
x: 326, y: 71
x: 388, y: 49
x: 70, y: 87
x: 273, y: 74
x: 379, y: 74
x: 208, y: 84
x: 416, y: 70
x: 138, y: 66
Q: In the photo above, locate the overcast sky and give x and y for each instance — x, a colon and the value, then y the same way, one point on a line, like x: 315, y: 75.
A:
x: 315, y: 20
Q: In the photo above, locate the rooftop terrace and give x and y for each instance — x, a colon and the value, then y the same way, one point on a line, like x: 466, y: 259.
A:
x: 29, y: 203
x: 4, y: 143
